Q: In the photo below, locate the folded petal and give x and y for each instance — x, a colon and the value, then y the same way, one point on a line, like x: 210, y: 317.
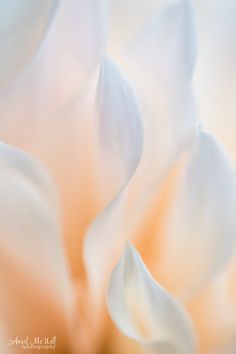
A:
x: 22, y: 26
x: 146, y: 312
x: 36, y: 291
x: 199, y: 231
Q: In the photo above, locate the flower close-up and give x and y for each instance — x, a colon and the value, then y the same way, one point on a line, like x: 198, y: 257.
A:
x: 117, y: 176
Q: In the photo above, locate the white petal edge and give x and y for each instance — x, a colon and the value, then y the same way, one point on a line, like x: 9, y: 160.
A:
x: 164, y: 83
x: 120, y: 123
x: 135, y: 299
x: 200, y: 229
x: 121, y: 141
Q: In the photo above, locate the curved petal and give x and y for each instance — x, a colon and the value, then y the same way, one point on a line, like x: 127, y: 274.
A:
x: 22, y: 26
x: 167, y: 104
x: 164, y: 85
x: 44, y: 112
x: 119, y: 123
x: 69, y: 53
x: 215, y: 76
x: 36, y: 291
x: 115, y: 151
x: 120, y: 144
x: 200, y: 227
x: 146, y: 312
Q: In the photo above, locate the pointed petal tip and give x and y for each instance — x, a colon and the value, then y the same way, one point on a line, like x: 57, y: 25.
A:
x: 144, y: 311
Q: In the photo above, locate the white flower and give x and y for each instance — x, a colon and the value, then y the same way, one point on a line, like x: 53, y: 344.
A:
x: 116, y: 100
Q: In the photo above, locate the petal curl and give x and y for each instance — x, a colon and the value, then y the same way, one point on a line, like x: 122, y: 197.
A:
x: 200, y: 227
x: 146, y: 312
x: 22, y: 26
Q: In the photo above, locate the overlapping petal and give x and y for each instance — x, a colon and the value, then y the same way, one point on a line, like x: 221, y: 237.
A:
x: 69, y: 53
x: 36, y: 290
x: 164, y: 86
x: 146, y: 312
x: 166, y: 99
x: 46, y: 113
x: 199, y: 233
x: 120, y: 137
x: 22, y: 26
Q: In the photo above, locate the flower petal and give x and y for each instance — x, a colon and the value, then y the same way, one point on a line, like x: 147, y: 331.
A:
x: 171, y: 34
x: 22, y: 25
x: 146, y: 312
x: 200, y: 227
x: 120, y: 125
x: 215, y: 76
x: 69, y: 53
x: 214, y: 313
x: 41, y: 112
x: 165, y: 85
x: 120, y: 147
x: 168, y: 108
x: 36, y: 291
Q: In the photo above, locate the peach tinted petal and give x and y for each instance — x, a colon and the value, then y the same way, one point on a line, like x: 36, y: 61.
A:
x: 23, y: 24
x: 167, y: 105
x: 214, y: 314
x: 164, y: 89
x: 146, y: 312
x: 46, y: 113
x: 199, y: 233
x: 36, y: 290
